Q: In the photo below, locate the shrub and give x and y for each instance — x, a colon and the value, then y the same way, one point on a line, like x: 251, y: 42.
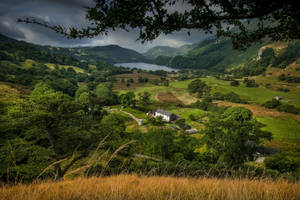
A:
x: 218, y: 96
x: 233, y: 97
x: 272, y: 104
x: 281, y: 77
x: 283, y: 89
x: 288, y: 108
x: 291, y: 79
x: 250, y: 83
x: 235, y: 83
x: 192, y: 117
x: 200, y: 87
x: 282, y: 163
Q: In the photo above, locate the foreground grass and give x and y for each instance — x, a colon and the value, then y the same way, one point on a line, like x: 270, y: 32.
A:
x: 127, y: 187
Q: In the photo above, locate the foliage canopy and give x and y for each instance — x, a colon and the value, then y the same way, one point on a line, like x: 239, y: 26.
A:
x: 277, y: 20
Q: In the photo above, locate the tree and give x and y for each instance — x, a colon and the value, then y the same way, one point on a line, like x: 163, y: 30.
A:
x: 105, y: 94
x: 198, y: 86
x: 144, y: 98
x: 233, y: 136
x: 160, y: 141
x: 128, y: 99
x: 272, y: 104
x: 51, y: 123
x: 81, y: 90
x: 85, y: 100
x: 277, y: 20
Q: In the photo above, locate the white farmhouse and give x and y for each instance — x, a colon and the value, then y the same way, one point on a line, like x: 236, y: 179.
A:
x: 166, y: 116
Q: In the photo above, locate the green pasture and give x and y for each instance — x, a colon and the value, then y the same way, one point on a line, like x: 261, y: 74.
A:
x: 283, y: 129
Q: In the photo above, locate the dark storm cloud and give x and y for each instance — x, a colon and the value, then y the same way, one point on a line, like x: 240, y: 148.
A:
x: 72, y: 13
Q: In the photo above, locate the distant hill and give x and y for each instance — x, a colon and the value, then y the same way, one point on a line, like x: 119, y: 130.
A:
x: 168, y: 51
x: 213, y: 54
x: 111, y: 53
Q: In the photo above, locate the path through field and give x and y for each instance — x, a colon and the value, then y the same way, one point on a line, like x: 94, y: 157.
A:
x: 127, y: 113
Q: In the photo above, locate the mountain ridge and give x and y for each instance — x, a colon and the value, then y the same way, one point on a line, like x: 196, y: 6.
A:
x: 108, y: 53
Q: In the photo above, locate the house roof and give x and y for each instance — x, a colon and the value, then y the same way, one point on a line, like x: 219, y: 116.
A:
x: 163, y: 112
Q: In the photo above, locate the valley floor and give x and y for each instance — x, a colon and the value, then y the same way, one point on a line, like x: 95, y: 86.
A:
x: 126, y: 187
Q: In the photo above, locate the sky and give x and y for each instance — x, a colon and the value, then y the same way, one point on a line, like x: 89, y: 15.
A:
x: 72, y: 13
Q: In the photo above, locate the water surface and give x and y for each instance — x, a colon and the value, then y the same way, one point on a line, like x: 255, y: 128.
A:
x: 146, y: 66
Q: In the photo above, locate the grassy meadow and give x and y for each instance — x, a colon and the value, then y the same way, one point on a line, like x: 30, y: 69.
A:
x: 284, y: 126
x: 131, y: 187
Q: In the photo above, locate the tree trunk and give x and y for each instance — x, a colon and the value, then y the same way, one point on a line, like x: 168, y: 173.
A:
x: 58, y: 172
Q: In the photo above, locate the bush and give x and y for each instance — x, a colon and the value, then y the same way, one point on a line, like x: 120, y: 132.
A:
x: 288, y: 108
x: 192, y: 117
x: 218, y: 96
x: 281, y: 77
x: 206, y: 104
x: 272, y: 104
x: 235, y: 83
x: 234, y: 98
x: 250, y: 83
x: 291, y: 79
x: 200, y: 87
x: 283, y: 90
x: 281, y: 162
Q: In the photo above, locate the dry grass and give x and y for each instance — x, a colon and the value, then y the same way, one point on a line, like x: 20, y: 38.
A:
x: 12, y: 92
x: 260, y: 111
x: 76, y: 69
x: 119, y: 85
x: 126, y: 187
x: 135, y: 76
x: 184, y: 96
x: 167, y: 97
x: 289, y: 70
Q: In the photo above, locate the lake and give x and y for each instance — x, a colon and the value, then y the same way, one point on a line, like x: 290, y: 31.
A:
x: 146, y: 66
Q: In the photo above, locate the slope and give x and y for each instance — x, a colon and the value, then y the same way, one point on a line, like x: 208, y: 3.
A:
x: 214, y: 55
x: 111, y: 53
x: 168, y: 51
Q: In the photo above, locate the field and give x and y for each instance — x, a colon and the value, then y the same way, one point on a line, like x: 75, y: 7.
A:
x: 11, y: 92
x: 256, y: 95
x: 283, y: 129
x: 132, y: 187
x: 76, y: 69
x: 122, y: 85
x: 284, y: 126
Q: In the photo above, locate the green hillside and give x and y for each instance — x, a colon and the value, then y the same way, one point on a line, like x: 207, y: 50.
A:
x: 111, y: 53
x: 167, y: 51
x: 69, y: 106
x: 215, y: 55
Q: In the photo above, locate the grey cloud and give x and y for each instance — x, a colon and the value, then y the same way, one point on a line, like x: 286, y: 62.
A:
x: 72, y: 13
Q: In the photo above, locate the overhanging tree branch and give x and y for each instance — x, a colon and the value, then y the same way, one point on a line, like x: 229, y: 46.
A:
x: 273, y: 19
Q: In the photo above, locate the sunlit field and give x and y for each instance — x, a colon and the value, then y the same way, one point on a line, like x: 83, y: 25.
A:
x: 127, y: 187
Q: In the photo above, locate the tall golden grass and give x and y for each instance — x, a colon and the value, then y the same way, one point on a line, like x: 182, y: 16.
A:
x: 127, y: 187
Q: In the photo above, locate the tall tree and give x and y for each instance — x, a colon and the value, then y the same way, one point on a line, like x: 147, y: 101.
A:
x: 274, y: 19
x: 199, y: 87
x: 128, y: 99
x: 51, y: 122
x: 144, y: 98
x: 233, y: 136
x: 105, y: 94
